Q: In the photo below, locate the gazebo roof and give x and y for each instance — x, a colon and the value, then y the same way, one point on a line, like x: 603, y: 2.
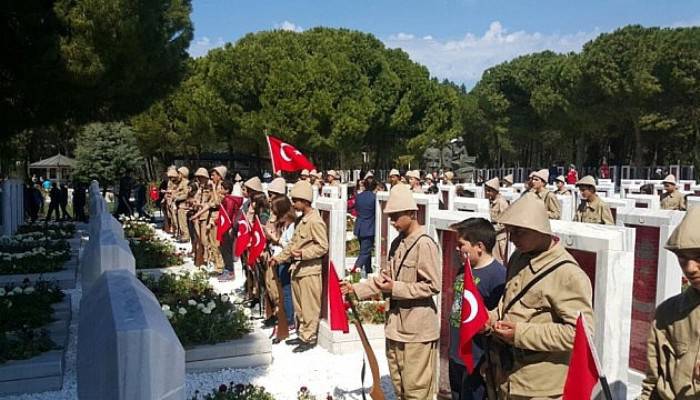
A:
x: 59, y: 160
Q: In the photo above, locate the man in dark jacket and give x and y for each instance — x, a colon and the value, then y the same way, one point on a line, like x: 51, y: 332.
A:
x: 64, y: 202
x: 79, y: 200
x: 55, y: 195
x: 365, y: 204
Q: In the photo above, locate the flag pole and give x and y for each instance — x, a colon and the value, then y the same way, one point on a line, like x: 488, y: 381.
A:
x: 269, y: 149
x: 601, y: 375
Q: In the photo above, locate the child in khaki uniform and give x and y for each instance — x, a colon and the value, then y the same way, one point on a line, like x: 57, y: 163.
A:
x: 592, y: 209
x: 412, y: 278
x: 673, y: 350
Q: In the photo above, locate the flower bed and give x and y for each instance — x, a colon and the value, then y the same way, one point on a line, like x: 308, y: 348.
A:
x: 31, y: 253
x: 198, y: 314
x: 138, y: 228
x: 24, y: 311
x: 236, y: 392
x: 56, y: 230
x: 149, y: 251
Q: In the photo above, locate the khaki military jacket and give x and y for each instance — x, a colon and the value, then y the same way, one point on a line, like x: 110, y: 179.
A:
x: 550, y: 201
x: 413, y: 315
x: 545, y: 320
x: 311, y: 237
x: 170, y: 191
x: 202, y: 197
x: 498, y: 206
x: 214, y: 202
x: 417, y: 189
x: 673, y: 201
x: 594, y: 212
x: 565, y: 192
x: 673, y: 349
x: 181, y: 192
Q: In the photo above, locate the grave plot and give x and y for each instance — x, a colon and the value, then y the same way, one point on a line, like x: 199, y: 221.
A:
x: 447, y: 195
x: 693, y: 201
x: 566, y: 203
x: 35, y: 318
x: 12, y: 211
x: 656, y: 276
x: 471, y: 205
x: 617, y: 205
x: 649, y: 201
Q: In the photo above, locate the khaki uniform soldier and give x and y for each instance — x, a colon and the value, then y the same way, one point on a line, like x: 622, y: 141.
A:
x: 180, y: 199
x: 412, y: 277
x: 538, y: 185
x: 304, y: 176
x: 394, y: 177
x: 449, y: 177
x: 169, y: 207
x: 217, y: 174
x: 592, y: 209
x: 561, y: 186
x: 278, y: 187
x: 333, y: 178
x: 200, y: 219
x: 672, y: 199
x: 414, y: 181
x: 306, y: 250
x: 497, y: 206
x: 508, y: 180
x: 532, y: 328
x: 673, y: 350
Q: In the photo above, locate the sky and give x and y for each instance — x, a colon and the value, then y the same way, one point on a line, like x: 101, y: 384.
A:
x: 455, y: 39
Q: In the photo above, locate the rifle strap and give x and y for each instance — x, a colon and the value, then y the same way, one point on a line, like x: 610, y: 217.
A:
x: 532, y: 283
x: 403, y: 259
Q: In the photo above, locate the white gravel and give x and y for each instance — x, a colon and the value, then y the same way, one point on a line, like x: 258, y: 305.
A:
x: 320, y: 371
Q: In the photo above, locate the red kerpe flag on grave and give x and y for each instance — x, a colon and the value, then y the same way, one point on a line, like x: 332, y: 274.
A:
x: 244, y: 236
x: 474, y: 317
x: 223, y: 223
x: 286, y: 157
x: 338, y: 317
x: 257, y: 243
x: 583, y: 372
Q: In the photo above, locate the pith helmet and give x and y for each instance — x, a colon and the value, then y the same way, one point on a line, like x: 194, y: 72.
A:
x: 449, y: 175
x: 254, y: 183
x: 493, y: 184
x: 413, y: 174
x: 508, y: 178
x: 172, y: 172
x: 302, y: 190
x: 278, y: 185
x: 369, y: 174
x: 670, y: 179
x: 686, y: 235
x: 400, y: 199
x: 304, y: 172
x: 184, y: 171
x: 202, y: 172
x: 394, y: 172
x: 221, y: 170
x: 237, y: 178
x: 331, y: 172
x: 586, y: 181
x: 541, y: 174
x: 561, y: 179
x: 528, y: 212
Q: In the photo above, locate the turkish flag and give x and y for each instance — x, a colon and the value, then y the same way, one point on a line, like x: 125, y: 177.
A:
x: 286, y: 157
x: 584, y: 372
x: 223, y: 223
x: 474, y: 317
x: 337, y: 315
x: 244, y: 236
x: 257, y: 242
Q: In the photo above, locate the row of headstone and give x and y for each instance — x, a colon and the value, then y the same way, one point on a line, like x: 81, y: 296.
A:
x: 127, y: 349
x: 12, y: 206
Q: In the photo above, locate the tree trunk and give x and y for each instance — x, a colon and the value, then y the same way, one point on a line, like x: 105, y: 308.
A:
x: 637, y: 145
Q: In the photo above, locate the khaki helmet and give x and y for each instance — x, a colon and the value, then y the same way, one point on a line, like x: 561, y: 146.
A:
x: 369, y: 174
x: 302, y: 190
x: 304, y: 172
x: 278, y: 186
x: 413, y: 174
x: 319, y: 175
x: 400, y: 199
x: 686, y: 236
x: 172, y: 172
x: 508, y: 178
x: 670, y: 179
x: 254, y: 184
x: 561, y: 179
x: 493, y: 184
x: 201, y: 173
x: 237, y: 178
x: 184, y: 171
x: 221, y: 170
x: 586, y: 181
x: 449, y: 175
x: 331, y: 172
x: 541, y: 174
x: 529, y: 212
x: 394, y: 172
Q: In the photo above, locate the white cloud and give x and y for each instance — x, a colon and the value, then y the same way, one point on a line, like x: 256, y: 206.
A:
x: 289, y: 26
x: 201, y: 46
x: 465, y: 60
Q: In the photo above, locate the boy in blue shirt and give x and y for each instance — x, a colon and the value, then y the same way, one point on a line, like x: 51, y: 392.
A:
x: 476, y: 238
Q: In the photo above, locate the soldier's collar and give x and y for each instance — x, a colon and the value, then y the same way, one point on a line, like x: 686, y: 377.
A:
x: 547, y: 257
x: 593, y: 205
x: 408, y: 240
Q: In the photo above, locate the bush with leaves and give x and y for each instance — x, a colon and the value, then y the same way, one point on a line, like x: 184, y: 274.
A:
x: 33, y: 252
x: 155, y: 253
x: 236, y: 392
x: 54, y: 230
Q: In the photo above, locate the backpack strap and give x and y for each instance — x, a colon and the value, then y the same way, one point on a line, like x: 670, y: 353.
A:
x: 403, y: 259
x: 532, y: 283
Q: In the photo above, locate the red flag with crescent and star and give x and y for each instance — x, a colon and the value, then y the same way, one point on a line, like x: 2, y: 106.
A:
x: 223, y: 223
x: 474, y: 317
x: 243, y: 237
x: 257, y: 242
x: 337, y: 315
x: 286, y: 157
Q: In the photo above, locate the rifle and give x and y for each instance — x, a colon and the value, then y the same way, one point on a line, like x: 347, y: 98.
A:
x: 375, y: 392
x: 282, y: 330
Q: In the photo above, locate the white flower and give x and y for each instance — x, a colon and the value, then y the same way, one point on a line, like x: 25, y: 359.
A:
x: 206, y: 311
x: 211, y: 305
x: 182, y: 311
x: 246, y: 312
x: 177, y: 277
x: 200, y: 306
x: 191, y: 302
x: 224, y: 298
x: 29, y: 290
x: 168, y: 314
x: 165, y: 307
x: 2, y: 292
x: 17, y: 290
